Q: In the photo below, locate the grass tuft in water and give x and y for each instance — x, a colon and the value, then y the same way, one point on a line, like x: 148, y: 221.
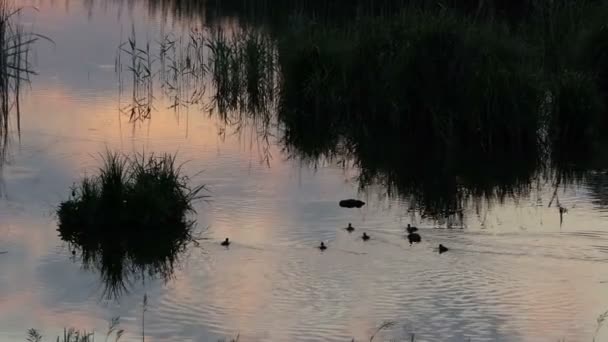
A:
x: 131, y: 220
x: 142, y: 193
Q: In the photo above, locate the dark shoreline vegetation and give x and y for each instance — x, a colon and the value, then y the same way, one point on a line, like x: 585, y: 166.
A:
x: 441, y: 103
x: 130, y: 221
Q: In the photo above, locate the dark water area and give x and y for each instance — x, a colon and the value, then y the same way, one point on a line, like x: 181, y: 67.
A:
x: 283, y: 110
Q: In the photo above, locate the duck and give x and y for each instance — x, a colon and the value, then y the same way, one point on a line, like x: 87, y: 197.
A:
x: 226, y: 242
x: 442, y: 249
x: 322, y: 246
x: 365, y: 237
x: 351, y: 203
x: 350, y: 228
x: 411, y: 229
x: 414, y: 237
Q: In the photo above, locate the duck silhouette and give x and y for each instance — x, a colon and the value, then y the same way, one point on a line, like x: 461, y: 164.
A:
x: 442, y: 249
x: 365, y: 237
x: 411, y: 229
x: 322, y: 246
x: 351, y: 203
x: 413, y: 237
x: 226, y: 242
x: 350, y: 228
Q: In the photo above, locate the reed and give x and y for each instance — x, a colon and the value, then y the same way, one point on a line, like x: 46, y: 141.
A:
x: 140, y: 69
x: 15, y: 67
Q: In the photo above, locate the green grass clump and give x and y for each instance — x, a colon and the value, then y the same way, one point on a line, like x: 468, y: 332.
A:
x: 130, y: 220
x: 143, y: 194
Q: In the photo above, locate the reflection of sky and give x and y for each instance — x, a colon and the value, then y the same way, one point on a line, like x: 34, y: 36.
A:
x: 512, y: 275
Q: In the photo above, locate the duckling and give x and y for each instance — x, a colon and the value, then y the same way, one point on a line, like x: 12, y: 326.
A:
x: 350, y: 228
x: 442, y: 249
x: 411, y: 229
x: 413, y: 237
x: 365, y: 237
x: 226, y: 242
x: 322, y: 246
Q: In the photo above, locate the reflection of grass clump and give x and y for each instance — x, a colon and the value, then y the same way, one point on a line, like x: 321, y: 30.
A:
x: 131, y: 219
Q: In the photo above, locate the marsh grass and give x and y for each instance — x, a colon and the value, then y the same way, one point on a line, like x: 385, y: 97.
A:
x: 15, y: 67
x: 74, y: 335
x: 241, y: 66
x: 427, y: 75
x: 425, y: 104
x: 131, y: 220
x: 115, y: 333
x: 139, y: 67
x: 243, y: 70
x: 482, y: 102
x: 183, y: 68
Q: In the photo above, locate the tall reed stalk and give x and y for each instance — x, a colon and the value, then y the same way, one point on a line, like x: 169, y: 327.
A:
x: 15, y: 67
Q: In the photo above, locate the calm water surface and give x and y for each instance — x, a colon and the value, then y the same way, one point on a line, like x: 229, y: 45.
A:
x: 512, y: 274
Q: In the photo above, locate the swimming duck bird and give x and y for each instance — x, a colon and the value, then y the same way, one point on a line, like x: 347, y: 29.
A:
x: 351, y: 203
x: 322, y: 246
x: 411, y: 229
x: 413, y: 237
x: 226, y: 242
x: 365, y: 237
x: 350, y: 228
x: 442, y: 249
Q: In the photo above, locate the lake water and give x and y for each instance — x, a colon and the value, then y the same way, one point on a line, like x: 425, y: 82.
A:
x: 513, y: 272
